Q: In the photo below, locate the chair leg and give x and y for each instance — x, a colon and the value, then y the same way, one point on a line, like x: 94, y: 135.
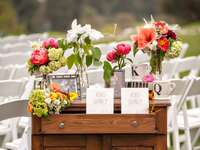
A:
x: 187, y: 129
x: 176, y: 144
x: 197, y: 135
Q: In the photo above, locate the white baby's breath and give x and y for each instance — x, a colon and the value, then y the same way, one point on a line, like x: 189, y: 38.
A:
x: 48, y: 101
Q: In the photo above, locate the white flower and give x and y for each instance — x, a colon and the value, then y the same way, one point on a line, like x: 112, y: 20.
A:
x: 48, y: 101
x: 65, y: 102
x: 57, y: 102
x: 82, y: 31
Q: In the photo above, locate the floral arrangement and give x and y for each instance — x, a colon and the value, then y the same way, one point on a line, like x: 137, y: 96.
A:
x: 47, y: 56
x: 159, y: 40
x: 117, y: 57
x: 42, y: 103
x: 80, y: 38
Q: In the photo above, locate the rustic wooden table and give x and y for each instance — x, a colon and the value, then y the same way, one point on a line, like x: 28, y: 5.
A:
x: 75, y: 130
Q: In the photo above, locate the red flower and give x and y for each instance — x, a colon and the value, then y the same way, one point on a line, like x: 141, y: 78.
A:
x: 144, y: 37
x: 50, y: 42
x: 162, y: 26
x: 39, y: 57
x: 171, y: 34
x: 163, y: 44
x: 123, y: 49
x: 111, y: 56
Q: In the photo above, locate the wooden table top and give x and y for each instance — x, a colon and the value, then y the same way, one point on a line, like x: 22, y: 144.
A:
x: 80, y: 105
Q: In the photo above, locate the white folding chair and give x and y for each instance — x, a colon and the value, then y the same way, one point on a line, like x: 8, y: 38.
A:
x: 13, y: 59
x: 181, y: 117
x: 5, y: 72
x: 18, y: 72
x: 10, y: 110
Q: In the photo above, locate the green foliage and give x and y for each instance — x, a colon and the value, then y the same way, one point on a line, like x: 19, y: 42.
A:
x: 108, y: 71
x: 71, y: 60
x: 37, y: 99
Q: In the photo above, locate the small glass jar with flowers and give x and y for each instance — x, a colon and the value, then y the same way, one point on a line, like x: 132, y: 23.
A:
x: 114, y: 73
x: 159, y: 40
x: 47, y: 56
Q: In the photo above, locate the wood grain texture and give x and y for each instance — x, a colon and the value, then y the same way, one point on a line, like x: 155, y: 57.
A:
x: 99, y: 124
x: 101, y: 132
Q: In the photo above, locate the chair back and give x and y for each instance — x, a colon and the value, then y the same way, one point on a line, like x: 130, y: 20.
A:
x: 13, y: 109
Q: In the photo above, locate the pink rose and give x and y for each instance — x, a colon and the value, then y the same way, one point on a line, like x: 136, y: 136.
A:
x: 148, y: 78
x: 39, y: 57
x: 50, y: 42
x: 123, y: 49
x: 111, y: 56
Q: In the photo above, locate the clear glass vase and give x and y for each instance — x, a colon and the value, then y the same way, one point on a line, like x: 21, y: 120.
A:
x: 84, y: 82
x: 156, y: 65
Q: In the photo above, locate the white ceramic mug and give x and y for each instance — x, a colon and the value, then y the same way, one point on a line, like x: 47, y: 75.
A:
x: 139, y: 71
x: 163, y: 89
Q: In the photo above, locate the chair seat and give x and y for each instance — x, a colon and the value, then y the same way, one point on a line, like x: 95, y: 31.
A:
x: 194, y: 121
x: 194, y: 112
x: 14, y: 145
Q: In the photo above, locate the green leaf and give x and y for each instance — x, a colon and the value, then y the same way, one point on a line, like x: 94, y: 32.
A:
x: 134, y: 50
x: 88, y: 60
x: 87, y: 40
x: 107, y: 71
x: 70, y: 61
x: 62, y: 43
x: 96, y: 53
x: 78, y: 59
x: 97, y: 62
x: 130, y: 60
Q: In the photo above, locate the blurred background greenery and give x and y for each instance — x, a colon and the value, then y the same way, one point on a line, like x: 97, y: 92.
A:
x: 55, y: 16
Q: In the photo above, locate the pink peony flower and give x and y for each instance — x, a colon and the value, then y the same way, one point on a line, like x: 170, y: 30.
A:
x: 148, y: 78
x: 50, y: 42
x: 123, y: 49
x: 144, y: 37
x: 39, y: 57
x: 162, y: 26
x: 111, y: 56
x: 163, y: 44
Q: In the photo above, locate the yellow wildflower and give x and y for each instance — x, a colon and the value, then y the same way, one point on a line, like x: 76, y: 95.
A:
x: 53, y: 96
x: 73, y: 96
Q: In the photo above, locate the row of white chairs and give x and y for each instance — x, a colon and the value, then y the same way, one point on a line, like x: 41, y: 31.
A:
x: 23, y: 38
x: 13, y: 72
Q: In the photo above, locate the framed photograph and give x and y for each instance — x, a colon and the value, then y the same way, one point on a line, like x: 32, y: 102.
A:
x: 67, y: 82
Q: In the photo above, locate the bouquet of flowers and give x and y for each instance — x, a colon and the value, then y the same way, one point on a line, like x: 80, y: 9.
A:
x: 159, y: 40
x: 47, y: 56
x: 117, y: 57
x: 42, y: 103
x: 79, y: 38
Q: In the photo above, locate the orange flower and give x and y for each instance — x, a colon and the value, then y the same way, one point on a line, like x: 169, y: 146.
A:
x: 55, y: 87
x: 30, y: 108
x: 144, y: 37
x: 62, y: 96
